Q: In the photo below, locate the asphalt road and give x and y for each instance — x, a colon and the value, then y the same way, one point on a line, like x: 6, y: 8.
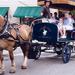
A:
x: 48, y: 64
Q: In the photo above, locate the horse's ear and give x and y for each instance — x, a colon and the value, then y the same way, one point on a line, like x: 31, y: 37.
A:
x: 1, y: 20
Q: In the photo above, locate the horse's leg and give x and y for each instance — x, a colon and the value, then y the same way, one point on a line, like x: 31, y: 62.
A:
x: 25, y: 48
x: 13, y: 66
x: 1, y: 62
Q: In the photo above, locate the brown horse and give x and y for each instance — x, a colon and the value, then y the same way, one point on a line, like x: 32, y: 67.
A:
x: 18, y: 35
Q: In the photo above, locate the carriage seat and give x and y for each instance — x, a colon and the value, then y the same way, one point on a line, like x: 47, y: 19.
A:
x: 70, y: 34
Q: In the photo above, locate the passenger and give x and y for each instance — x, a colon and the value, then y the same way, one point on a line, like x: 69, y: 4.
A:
x: 56, y: 16
x: 52, y: 19
x: 61, y: 29
x: 68, y: 22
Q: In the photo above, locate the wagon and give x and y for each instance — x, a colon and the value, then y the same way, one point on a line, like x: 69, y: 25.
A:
x: 46, y: 36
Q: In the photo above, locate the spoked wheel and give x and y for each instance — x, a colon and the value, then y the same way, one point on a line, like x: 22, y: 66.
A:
x: 66, y: 54
x: 58, y: 51
x: 37, y: 50
x: 34, y: 52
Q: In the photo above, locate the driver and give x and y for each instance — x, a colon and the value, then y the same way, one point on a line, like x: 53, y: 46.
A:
x: 46, y: 12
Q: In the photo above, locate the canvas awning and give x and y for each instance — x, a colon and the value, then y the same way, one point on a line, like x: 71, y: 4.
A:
x: 68, y: 4
x: 64, y: 4
x: 29, y: 11
x: 60, y: 1
x: 41, y: 2
x: 71, y: 2
x: 3, y: 10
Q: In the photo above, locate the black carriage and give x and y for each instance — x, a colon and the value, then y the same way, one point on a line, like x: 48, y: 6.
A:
x: 47, y: 35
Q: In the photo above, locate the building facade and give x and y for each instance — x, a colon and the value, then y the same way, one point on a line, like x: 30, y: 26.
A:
x: 13, y: 4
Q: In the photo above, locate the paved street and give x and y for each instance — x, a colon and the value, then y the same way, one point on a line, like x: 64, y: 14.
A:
x: 48, y: 64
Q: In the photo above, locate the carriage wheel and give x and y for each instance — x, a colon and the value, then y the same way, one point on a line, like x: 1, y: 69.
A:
x: 37, y: 50
x: 57, y: 51
x: 34, y: 52
x: 66, y: 54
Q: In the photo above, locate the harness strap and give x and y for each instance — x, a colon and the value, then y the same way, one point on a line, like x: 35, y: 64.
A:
x: 7, y: 35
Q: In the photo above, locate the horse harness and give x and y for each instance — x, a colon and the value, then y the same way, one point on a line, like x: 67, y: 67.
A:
x: 5, y: 34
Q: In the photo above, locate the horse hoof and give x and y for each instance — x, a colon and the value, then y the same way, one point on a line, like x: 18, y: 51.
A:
x: 23, y: 67
x: 12, y: 71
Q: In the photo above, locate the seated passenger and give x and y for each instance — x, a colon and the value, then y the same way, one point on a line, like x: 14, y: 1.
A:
x: 56, y: 16
x: 52, y: 18
x: 68, y: 22
x: 61, y: 29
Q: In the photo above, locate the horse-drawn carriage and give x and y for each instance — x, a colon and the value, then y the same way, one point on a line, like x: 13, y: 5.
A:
x: 46, y: 35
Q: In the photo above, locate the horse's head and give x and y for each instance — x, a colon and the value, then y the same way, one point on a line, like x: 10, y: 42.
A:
x: 2, y: 22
